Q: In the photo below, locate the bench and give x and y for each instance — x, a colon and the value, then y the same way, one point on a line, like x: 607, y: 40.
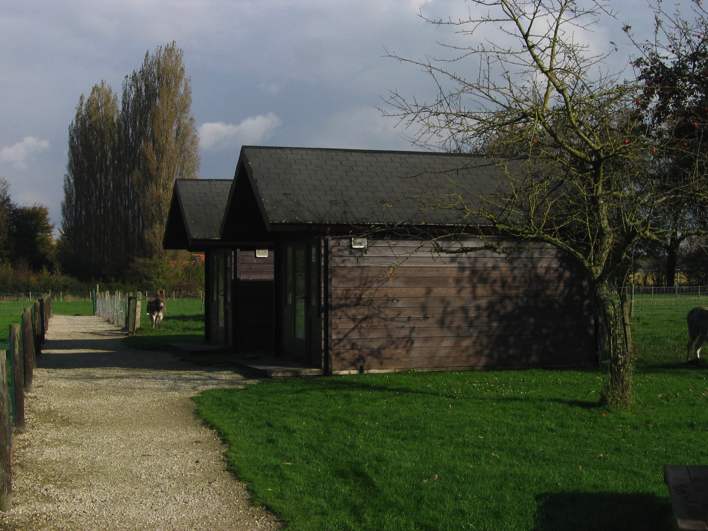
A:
x: 688, y: 487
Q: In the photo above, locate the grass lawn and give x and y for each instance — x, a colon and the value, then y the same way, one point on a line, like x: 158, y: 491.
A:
x: 11, y: 313
x: 183, y: 323
x: 498, y: 450
x: 72, y: 307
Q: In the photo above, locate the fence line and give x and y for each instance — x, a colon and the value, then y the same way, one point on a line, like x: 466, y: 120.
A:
x: 118, y: 309
x: 17, y: 363
x: 672, y: 303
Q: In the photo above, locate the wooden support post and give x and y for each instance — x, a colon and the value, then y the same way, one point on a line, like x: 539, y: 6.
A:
x: 5, y: 439
x: 28, y: 347
x: 19, y: 376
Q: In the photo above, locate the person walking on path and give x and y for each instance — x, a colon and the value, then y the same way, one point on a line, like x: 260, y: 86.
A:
x: 112, y: 443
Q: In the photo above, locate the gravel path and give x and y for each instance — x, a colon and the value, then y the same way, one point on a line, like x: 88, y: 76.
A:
x: 112, y: 442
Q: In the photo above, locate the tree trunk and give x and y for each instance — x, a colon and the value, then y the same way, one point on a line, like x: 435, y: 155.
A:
x: 614, y: 346
x: 671, y: 260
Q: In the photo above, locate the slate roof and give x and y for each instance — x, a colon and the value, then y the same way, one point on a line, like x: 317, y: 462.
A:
x: 351, y: 187
x: 196, y: 212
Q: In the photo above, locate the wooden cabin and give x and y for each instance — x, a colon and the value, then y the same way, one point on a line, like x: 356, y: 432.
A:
x: 341, y: 243
x: 232, y: 272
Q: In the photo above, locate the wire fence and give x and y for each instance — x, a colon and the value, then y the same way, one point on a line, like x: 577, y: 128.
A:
x: 13, y: 308
x: 116, y: 308
x: 665, y: 303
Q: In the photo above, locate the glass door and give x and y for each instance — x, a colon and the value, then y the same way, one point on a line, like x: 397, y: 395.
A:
x: 301, y: 300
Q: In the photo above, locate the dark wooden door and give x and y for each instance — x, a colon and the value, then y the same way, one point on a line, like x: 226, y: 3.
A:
x: 301, y: 329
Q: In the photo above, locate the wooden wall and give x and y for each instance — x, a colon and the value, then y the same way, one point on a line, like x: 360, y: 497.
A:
x: 397, y: 306
x: 250, y: 267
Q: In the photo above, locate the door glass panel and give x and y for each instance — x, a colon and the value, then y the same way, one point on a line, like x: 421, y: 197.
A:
x: 220, y: 272
x: 289, y: 276
x: 314, y: 271
x: 300, y: 293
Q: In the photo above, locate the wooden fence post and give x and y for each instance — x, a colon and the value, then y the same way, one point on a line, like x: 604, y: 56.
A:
x: 138, y: 306
x: 38, y: 330
x: 132, y: 321
x: 46, y: 306
x: 28, y: 347
x: 5, y: 442
x: 19, y: 377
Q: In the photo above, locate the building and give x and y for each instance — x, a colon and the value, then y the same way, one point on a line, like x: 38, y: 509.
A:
x: 325, y: 256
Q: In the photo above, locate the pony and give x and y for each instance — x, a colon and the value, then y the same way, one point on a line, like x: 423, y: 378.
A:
x: 697, y: 331
x: 156, y: 309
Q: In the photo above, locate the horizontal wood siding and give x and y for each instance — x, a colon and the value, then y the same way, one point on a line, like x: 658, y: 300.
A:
x: 397, y: 306
x: 252, y: 268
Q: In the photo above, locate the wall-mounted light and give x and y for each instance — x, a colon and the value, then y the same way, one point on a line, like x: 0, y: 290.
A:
x: 360, y: 243
x: 261, y: 253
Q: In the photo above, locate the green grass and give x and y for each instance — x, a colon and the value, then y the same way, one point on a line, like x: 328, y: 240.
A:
x: 72, y: 307
x: 499, y: 450
x: 5, y: 322
x: 183, y: 323
x: 11, y: 313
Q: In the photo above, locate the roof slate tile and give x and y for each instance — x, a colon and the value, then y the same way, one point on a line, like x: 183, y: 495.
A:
x: 337, y: 186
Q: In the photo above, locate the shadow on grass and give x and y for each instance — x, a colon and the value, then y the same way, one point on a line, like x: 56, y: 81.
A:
x: 682, y: 366
x: 608, y: 511
x: 187, y: 318
x: 335, y: 384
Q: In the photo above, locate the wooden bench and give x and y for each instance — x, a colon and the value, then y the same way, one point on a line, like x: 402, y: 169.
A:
x: 688, y: 486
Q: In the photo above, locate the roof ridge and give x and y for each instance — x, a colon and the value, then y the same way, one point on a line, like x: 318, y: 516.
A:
x: 362, y: 150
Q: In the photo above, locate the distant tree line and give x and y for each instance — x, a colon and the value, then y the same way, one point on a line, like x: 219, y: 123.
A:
x: 27, y: 250
x: 123, y: 159
x: 25, y: 234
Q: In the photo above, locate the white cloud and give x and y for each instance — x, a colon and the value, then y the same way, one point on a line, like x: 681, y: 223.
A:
x: 18, y: 153
x: 358, y: 128
x: 216, y: 136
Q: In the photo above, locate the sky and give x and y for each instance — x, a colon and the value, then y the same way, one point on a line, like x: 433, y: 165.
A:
x: 309, y: 73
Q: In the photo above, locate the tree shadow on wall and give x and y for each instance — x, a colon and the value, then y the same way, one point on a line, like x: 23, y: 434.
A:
x: 606, y: 511
x: 529, y: 309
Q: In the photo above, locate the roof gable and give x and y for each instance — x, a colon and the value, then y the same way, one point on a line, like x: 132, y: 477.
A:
x: 245, y: 214
x: 195, y: 214
x: 316, y: 186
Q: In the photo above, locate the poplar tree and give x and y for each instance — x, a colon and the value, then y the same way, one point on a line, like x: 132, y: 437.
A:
x: 91, y: 207
x: 160, y: 142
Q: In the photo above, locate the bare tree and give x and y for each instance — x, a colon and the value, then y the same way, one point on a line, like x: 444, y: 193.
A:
x: 541, y: 95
